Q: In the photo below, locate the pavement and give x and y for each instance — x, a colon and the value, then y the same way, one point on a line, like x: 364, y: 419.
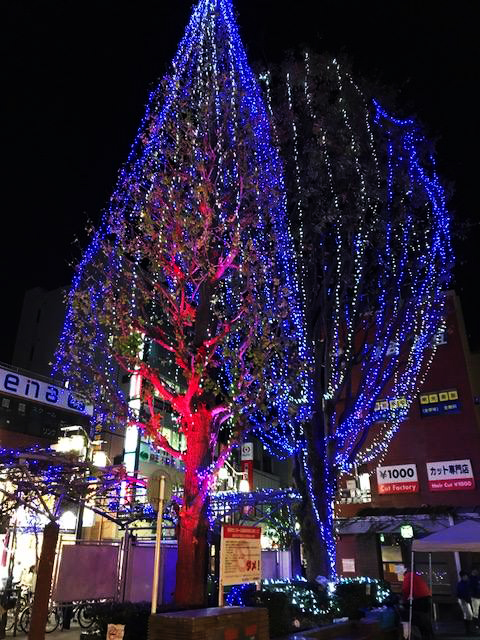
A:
x: 71, y: 634
x: 448, y: 630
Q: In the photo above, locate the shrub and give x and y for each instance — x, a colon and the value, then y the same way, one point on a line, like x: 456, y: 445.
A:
x: 353, y: 598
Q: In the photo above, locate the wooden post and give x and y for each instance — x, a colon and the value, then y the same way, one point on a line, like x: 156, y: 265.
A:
x: 158, y: 545
x: 43, y: 585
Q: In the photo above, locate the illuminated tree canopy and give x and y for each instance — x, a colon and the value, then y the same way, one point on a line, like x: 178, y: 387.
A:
x: 373, y: 240
x: 190, y: 284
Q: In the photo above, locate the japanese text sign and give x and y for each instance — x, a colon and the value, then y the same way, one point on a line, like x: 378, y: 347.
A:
x: 240, y: 554
x: 450, y: 475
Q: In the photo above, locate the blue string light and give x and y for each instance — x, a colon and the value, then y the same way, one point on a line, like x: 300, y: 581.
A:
x: 411, y: 252
x: 210, y: 67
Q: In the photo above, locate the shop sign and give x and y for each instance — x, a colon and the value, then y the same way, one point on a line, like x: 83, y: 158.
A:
x: 348, y: 565
x: 240, y: 555
x: 450, y: 475
x: 438, y: 402
x: 246, y: 452
x: 399, y: 478
x: 25, y: 387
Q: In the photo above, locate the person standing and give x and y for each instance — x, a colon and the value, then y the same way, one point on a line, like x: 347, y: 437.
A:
x: 475, y: 594
x: 464, y: 595
x: 421, y: 603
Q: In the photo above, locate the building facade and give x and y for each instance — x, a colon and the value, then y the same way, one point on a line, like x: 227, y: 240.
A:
x: 429, y: 479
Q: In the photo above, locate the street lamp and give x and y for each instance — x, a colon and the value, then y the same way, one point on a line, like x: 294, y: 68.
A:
x: 80, y: 445
x: 228, y: 471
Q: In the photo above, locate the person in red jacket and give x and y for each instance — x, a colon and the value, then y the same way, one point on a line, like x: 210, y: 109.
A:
x: 421, y: 603
x: 420, y: 587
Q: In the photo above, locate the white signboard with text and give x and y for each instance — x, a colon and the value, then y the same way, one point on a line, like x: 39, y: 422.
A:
x: 240, y: 555
x: 24, y: 387
x: 397, y: 478
x: 246, y: 451
x: 450, y: 475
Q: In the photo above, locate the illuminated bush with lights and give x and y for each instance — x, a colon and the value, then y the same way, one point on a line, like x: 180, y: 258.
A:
x: 308, y: 603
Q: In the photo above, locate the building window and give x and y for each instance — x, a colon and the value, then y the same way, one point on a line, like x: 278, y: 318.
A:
x: 22, y: 407
x: 392, y: 557
x: 5, y: 403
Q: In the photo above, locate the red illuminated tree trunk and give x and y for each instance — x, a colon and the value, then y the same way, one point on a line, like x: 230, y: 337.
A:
x: 192, y: 543
x: 41, y: 598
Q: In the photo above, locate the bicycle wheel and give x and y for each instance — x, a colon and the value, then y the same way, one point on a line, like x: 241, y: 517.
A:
x: 84, y: 616
x: 53, y: 620
x: 19, y: 606
x: 24, y: 620
x: 10, y: 620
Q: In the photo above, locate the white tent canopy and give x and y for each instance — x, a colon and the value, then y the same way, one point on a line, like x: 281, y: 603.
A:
x: 461, y: 537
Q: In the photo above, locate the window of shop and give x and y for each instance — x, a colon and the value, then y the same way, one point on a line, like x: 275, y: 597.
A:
x: 393, y: 557
x: 440, y: 576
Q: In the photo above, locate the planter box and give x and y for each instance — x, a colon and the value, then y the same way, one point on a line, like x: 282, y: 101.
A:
x: 222, y: 623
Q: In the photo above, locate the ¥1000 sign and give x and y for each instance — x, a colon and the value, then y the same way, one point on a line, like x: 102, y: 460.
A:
x: 399, y: 478
x: 24, y: 387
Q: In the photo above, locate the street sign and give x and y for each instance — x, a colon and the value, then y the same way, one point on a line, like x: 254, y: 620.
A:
x: 240, y: 555
x: 246, y: 452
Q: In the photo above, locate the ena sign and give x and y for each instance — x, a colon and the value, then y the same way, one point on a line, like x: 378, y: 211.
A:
x: 398, y: 478
x: 25, y: 387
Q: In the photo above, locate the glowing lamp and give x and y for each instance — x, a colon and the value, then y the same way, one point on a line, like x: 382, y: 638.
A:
x: 68, y: 521
x: 223, y: 474
x: 406, y: 531
x: 88, y: 519
x: 244, y: 485
x: 99, y: 459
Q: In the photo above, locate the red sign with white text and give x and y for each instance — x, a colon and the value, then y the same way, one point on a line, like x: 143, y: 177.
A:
x: 450, y: 475
x: 398, y: 478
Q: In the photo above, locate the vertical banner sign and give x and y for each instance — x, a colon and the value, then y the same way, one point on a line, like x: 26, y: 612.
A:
x: 398, y: 478
x: 246, y: 458
x: 450, y: 475
x: 240, y: 555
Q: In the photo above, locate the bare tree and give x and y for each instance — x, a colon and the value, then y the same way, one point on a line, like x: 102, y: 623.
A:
x: 42, y: 482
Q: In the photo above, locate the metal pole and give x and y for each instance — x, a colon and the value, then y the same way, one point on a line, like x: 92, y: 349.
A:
x: 430, y: 579
x: 220, y: 572
x: 410, y: 598
x: 158, y: 542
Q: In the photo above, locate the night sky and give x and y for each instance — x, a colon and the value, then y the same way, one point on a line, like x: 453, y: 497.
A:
x: 76, y: 77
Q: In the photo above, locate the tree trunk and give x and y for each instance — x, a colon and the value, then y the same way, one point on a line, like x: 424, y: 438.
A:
x: 43, y: 585
x: 191, y: 573
x: 318, y: 487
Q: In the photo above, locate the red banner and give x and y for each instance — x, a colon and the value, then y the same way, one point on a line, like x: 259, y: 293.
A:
x: 398, y: 487
x: 244, y: 533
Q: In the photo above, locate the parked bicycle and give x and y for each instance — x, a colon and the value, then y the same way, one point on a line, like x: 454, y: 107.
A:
x: 83, y: 613
x: 53, y: 619
x: 16, y: 599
